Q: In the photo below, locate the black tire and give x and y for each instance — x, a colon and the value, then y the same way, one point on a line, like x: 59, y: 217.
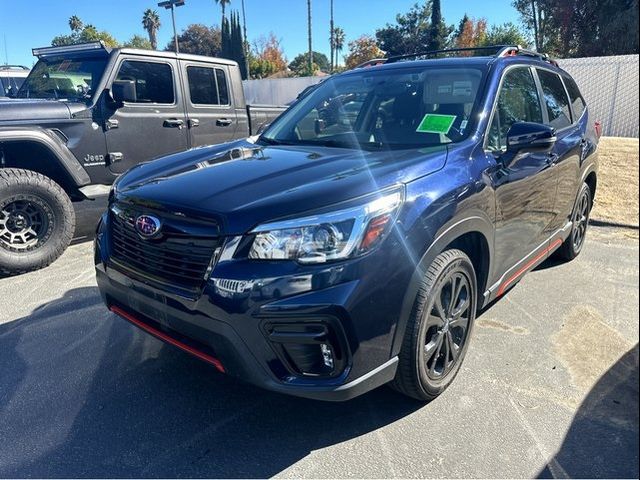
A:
x: 37, y: 221
x: 572, y: 246
x: 417, y: 375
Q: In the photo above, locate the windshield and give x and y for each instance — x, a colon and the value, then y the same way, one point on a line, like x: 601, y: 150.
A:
x: 389, y: 109
x: 64, y: 79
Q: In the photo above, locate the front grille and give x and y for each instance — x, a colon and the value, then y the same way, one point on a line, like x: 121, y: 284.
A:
x: 176, y: 258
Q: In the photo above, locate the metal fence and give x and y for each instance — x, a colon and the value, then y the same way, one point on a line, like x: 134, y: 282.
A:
x: 610, y: 86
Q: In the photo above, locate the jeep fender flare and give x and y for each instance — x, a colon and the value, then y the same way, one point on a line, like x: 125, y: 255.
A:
x: 445, y: 235
x: 49, y: 140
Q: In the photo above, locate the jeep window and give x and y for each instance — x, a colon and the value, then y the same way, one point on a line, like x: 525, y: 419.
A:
x: 518, y: 101
x: 555, y: 98
x: 153, y: 81
x: 577, y: 102
x: 387, y: 109
x: 63, y: 78
x: 10, y: 85
x: 207, y: 86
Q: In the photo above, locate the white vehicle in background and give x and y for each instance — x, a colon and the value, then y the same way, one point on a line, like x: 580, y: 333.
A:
x: 11, y: 77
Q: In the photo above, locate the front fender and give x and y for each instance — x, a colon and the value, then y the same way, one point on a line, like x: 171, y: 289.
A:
x: 49, y: 140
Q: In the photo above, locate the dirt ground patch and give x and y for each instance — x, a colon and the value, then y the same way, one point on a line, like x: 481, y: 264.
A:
x: 617, y: 195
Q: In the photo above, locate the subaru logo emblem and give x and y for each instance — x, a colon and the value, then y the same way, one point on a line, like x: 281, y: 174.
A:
x: 147, y: 226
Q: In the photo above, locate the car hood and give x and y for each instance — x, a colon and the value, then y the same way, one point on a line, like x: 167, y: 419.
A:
x: 19, y: 109
x: 241, y: 184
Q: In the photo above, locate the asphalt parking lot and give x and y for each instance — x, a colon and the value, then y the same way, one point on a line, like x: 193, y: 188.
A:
x: 549, y: 388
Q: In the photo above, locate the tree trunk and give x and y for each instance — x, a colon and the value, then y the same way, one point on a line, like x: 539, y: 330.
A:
x: 332, y: 39
x: 310, y: 39
x: 534, y: 12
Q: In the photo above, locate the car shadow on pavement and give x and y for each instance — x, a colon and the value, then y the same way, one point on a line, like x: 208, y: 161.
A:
x: 602, y: 441
x: 85, y: 394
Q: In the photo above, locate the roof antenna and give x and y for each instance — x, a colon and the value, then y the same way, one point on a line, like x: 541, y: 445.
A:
x: 6, y: 52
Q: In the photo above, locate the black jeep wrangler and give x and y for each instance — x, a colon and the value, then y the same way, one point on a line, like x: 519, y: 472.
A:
x: 85, y: 114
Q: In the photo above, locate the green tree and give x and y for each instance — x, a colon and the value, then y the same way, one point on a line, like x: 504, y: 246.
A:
x: 410, y: 33
x: 300, y: 64
x: 267, y: 57
x: 138, y: 41
x: 151, y: 23
x: 199, y: 39
x: 439, y: 32
x: 362, y: 50
x: 505, y: 34
x: 75, y: 24
x: 87, y: 33
x: 339, y: 38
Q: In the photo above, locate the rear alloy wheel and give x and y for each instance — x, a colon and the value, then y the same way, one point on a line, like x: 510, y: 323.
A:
x: 572, y: 246
x: 439, y: 328
x: 37, y: 221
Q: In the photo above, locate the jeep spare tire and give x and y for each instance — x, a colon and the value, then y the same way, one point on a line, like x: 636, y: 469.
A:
x: 37, y: 221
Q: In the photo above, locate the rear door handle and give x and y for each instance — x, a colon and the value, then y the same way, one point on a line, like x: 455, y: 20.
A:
x: 194, y: 122
x: 111, y: 123
x: 224, y: 122
x: 173, y: 123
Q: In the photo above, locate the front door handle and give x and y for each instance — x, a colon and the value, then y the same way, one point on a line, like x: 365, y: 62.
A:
x: 173, y: 123
x: 552, y: 158
x: 194, y: 122
x: 224, y: 122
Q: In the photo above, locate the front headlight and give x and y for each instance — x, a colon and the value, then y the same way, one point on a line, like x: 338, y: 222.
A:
x: 328, y: 236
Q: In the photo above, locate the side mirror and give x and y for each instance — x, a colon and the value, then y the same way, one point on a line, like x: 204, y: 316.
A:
x: 123, y: 91
x: 527, y: 137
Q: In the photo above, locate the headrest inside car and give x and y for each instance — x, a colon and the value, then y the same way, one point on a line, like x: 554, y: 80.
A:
x: 451, y: 86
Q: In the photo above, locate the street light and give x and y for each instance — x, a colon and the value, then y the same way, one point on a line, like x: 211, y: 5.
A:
x: 170, y: 5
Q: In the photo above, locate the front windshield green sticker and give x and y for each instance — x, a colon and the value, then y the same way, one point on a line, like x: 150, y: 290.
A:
x: 436, y: 123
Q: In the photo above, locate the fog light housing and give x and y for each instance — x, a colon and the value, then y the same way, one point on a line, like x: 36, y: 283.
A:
x: 309, y: 349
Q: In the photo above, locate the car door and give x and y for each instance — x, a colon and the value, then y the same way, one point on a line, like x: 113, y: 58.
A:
x: 524, y: 190
x: 152, y: 125
x: 210, y: 111
x: 567, y: 151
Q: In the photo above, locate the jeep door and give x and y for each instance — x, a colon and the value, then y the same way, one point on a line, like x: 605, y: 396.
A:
x: 525, y: 190
x: 153, y: 123
x: 211, y: 114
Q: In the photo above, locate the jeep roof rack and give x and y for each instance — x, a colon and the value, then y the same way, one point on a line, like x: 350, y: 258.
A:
x: 16, y: 67
x: 80, y: 47
x: 497, y: 51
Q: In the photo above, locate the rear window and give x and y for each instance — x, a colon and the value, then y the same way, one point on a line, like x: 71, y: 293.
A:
x: 577, y: 102
x: 207, y: 86
x: 555, y: 98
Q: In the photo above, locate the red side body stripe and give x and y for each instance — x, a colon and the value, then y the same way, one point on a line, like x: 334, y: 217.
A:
x: 166, y: 338
x: 529, y: 264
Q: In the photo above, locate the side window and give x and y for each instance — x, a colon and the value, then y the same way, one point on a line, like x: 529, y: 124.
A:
x: 577, y: 102
x: 207, y: 86
x: 518, y: 101
x: 153, y: 81
x: 555, y: 98
x: 223, y: 90
x: 202, y: 86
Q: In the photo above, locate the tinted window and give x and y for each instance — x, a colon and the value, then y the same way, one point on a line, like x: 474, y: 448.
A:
x: 207, y: 86
x: 577, y: 102
x: 555, y: 98
x: 222, y: 87
x: 518, y: 101
x: 153, y: 81
x: 202, y: 86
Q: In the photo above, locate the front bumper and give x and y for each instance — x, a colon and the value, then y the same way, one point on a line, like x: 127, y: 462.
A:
x: 233, y: 328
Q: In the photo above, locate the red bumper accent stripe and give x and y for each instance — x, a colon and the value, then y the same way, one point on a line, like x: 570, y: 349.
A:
x: 528, y: 266
x: 166, y: 338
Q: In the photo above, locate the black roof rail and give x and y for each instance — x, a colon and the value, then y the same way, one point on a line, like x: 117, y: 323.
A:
x: 7, y: 67
x: 492, y: 49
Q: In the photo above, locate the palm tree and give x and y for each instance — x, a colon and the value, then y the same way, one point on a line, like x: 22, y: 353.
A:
x: 151, y: 23
x: 338, y: 42
x: 310, y: 39
x: 223, y: 4
x: 75, y: 24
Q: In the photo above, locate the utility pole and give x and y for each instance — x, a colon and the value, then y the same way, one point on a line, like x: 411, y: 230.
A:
x: 310, y: 59
x: 171, y: 5
x: 246, y: 41
x: 332, y: 37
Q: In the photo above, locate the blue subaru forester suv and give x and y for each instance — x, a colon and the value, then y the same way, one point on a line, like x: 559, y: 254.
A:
x: 354, y: 241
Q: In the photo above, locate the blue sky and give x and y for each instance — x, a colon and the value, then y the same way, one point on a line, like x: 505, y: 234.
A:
x: 33, y: 23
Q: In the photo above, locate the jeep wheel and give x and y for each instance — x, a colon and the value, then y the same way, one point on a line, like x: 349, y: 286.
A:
x: 572, y: 246
x: 37, y: 221
x: 438, y: 330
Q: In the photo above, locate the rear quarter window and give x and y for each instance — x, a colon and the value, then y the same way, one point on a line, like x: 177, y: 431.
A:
x: 577, y: 101
x: 555, y: 98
